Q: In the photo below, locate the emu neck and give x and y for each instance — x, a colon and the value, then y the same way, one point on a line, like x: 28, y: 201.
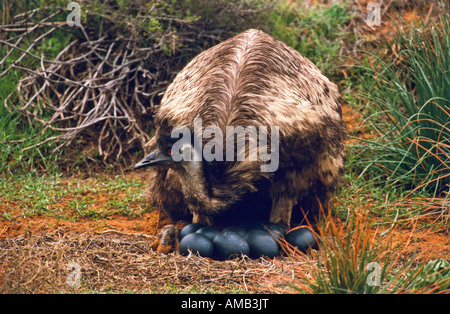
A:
x: 195, y: 191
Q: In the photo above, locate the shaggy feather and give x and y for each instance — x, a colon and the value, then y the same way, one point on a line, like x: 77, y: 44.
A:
x: 255, y: 80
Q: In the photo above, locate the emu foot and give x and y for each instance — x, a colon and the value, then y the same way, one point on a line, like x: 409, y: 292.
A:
x: 167, y: 240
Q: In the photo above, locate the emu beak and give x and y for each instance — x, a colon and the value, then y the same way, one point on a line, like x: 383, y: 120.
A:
x: 153, y: 159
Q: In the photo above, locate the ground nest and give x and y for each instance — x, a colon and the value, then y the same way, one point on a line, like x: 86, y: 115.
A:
x: 110, y: 261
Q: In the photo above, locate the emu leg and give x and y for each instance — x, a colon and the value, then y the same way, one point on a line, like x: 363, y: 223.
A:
x: 167, y: 240
x: 202, y: 219
x: 285, y: 191
x: 281, y: 212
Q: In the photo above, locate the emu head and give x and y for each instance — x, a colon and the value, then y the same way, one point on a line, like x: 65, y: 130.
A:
x: 171, y: 152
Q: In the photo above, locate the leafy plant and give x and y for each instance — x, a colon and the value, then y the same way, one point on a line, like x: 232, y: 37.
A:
x: 434, y: 274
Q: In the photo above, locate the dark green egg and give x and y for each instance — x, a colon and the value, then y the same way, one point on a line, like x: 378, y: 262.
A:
x: 241, y: 230
x: 191, y: 228
x: 197, y: 243
x: 275, y: 230
x: 302, y: 238
x: 261, y: 243
x: 229, y: 244
x: 210, y: 232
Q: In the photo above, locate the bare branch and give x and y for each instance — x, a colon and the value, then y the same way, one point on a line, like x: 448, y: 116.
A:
x: 105, y: 82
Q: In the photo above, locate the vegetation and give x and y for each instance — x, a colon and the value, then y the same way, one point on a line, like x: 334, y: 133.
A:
x: 65, y: 149
x: 317, y: 31
x: 71, y: 199
x: 353, y: 258
x: 94, y: 86
x: 412, y: 92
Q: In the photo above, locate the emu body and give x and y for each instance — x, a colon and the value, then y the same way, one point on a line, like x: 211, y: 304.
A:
x: 250, y: 80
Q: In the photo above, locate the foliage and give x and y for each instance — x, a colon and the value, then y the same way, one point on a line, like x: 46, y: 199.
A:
x: 99, y: 89
x: 434, y: 274
x: 355, y: 258
x: 412, y: 95
x: 315, y: 30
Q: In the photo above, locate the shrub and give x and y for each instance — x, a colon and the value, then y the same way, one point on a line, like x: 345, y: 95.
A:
x: 100, y: 88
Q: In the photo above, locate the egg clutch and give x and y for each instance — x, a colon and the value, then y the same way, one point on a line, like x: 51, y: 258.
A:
x: 254, y: 240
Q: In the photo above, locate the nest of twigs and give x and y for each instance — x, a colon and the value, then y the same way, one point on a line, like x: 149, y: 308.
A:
x: 103, y: 84
x: 122, y: 263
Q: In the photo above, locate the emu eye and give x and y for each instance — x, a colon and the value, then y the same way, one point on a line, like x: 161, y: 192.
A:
x: 169, y: 152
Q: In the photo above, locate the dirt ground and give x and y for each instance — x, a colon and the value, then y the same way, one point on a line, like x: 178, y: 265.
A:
x: 38, y: 254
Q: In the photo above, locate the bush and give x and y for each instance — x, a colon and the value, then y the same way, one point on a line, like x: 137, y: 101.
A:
x: 99, y: 89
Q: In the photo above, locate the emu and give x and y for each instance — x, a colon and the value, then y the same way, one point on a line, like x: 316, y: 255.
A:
x: 250, y: 80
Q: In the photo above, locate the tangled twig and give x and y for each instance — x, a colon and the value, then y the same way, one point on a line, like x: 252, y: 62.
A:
x: 104, y: 83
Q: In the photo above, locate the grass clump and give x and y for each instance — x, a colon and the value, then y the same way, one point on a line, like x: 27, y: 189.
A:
x: 411, y: 93
x: 356, y: 258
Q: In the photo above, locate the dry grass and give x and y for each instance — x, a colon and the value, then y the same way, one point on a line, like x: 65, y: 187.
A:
x: 111, y: 262
x: 357, y: 257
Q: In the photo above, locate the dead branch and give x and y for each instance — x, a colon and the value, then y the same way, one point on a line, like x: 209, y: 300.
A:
x: 103, y: 85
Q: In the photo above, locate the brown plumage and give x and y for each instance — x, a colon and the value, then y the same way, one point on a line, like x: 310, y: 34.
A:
x: 251, y: 79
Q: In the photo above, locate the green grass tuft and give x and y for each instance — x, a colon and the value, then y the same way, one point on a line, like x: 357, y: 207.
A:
x: 412, y: 115
x: 355, y: 258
